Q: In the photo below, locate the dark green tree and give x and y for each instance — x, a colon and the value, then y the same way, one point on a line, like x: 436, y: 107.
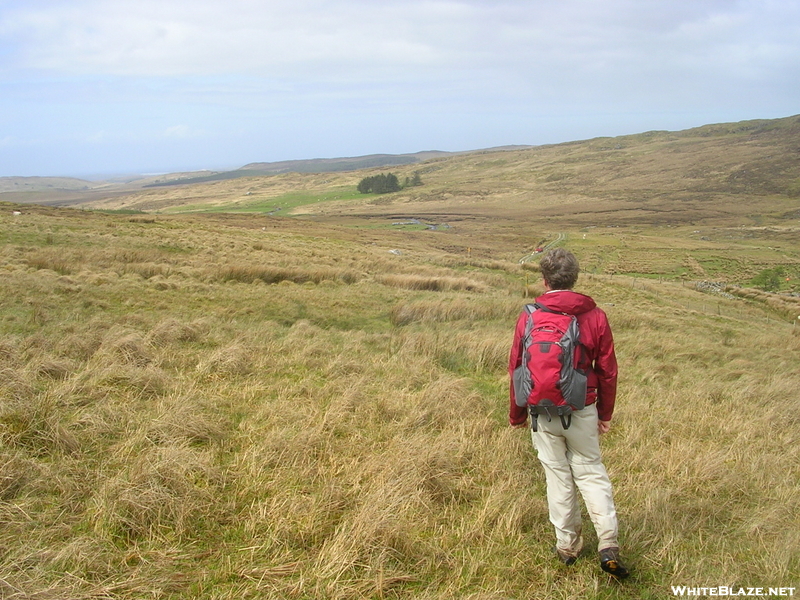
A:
x: 365, y: 185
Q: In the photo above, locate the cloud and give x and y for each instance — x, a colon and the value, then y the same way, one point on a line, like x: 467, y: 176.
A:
x: 169, y: 38
x: 511, y: 55
x: 351, y: 39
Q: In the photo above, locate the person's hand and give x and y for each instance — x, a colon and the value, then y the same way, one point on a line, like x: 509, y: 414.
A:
x: 603, y: 426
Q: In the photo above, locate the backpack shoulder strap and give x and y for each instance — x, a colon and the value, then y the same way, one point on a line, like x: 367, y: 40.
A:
x: 529, y: 310
x: 543, y: 308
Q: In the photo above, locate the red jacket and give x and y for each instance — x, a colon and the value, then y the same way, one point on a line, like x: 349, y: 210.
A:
x: 596, y: 338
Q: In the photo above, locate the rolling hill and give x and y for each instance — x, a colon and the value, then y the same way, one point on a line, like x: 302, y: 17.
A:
x: 717, y: 173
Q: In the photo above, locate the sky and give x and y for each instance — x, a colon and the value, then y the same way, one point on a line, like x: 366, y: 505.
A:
x: 94, y: 88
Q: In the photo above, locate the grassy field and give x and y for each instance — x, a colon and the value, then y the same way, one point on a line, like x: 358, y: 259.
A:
x: 202, y: 400
x: 240, y: 406
x: 271, y: 205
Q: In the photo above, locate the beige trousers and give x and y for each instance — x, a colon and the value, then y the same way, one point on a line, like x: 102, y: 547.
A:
x: 571, y: 461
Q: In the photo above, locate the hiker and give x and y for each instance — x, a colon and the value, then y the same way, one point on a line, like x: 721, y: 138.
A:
x: 568, y: 442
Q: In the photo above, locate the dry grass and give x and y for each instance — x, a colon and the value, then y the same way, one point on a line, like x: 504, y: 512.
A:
x: 434, y: 284
x: 454, y: 309
x: 271, y: 274
x: 170, y: 432
x: 787, y: 306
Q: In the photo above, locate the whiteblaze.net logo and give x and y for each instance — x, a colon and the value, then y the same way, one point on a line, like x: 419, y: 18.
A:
x: 724, y: 590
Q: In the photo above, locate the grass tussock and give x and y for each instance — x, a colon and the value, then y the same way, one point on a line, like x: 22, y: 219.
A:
x: 165, y: 490
x: 186, y: 419
x: 52, y: 261
x: 144, y: 381
x: 171, y: 330
x: 231, y: 360
x: 122, y: 345
x: 496, y: 265
x: 531, y: 266
x: 149, y: 270
x: 433, y: 284
x: 15, y: 472
x: 272, y: 274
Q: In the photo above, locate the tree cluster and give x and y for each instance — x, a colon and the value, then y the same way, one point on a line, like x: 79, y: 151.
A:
x: 385, y: 183
x: 379, y: 184
x: 414, y: 181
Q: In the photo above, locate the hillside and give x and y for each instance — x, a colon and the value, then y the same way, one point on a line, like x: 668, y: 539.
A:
x: 719, y: 202
x: 27, y: 184
x: 323, y: 165
x: 710, y: 174
x: 713, y: 174
x: 60, y: 190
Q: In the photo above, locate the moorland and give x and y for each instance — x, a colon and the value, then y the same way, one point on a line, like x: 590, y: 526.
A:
x: 276, y: 387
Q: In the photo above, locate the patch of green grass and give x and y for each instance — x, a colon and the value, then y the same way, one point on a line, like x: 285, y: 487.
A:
x: 278, y: 205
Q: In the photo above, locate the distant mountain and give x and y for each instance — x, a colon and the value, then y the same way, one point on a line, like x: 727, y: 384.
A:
x: 326, y: 165
x: 355, y: 163
x: 314, y: 165
x: 60, y: 185
x: 39, y: 184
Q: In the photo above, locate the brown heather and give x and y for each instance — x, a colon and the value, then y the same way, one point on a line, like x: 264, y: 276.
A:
x: 177, y: 421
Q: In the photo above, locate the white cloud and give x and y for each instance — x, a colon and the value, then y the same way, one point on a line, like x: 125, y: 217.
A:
x: 275, y: 54
x: 141, y: 37
x: 356, y: 38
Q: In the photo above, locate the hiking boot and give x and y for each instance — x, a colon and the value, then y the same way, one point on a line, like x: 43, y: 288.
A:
x: 565, y: 557
x: 611, y: 563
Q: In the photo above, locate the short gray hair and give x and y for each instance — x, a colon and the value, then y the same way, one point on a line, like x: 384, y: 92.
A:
x: 560, y: 269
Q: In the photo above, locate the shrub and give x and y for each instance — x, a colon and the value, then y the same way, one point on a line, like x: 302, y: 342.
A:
x: 769, y: 280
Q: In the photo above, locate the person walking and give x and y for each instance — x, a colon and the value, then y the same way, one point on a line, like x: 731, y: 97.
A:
x: 570, y: 451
